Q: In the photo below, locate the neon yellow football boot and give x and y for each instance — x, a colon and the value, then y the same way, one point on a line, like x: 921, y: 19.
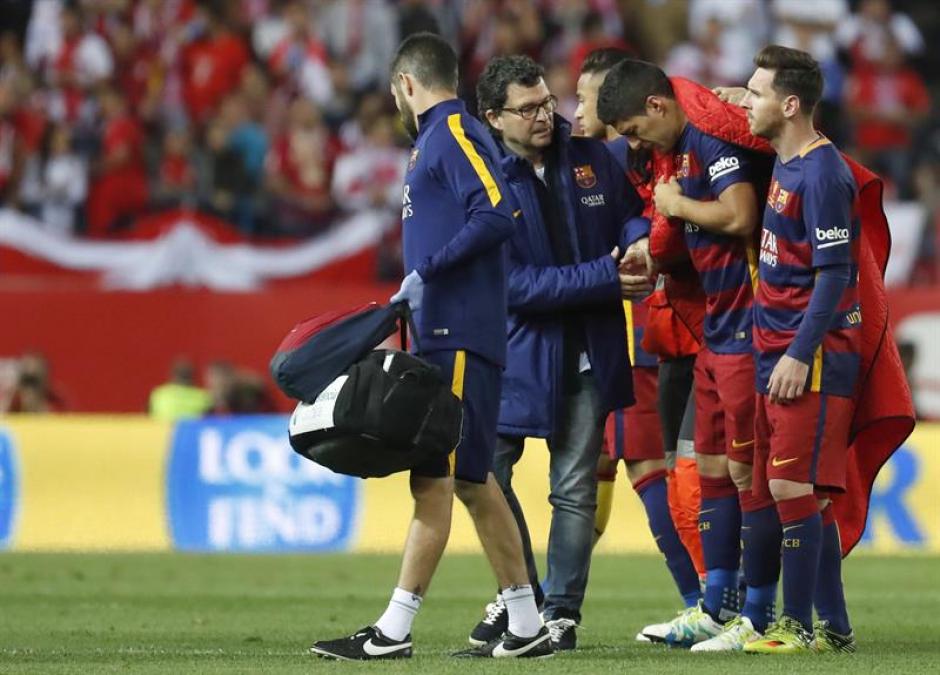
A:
x: 786, y: 636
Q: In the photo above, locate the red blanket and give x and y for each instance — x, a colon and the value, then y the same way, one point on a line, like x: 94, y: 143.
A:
x: 884, y: 412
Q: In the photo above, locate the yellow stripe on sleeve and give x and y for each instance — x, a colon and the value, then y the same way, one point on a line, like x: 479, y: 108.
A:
x: 816, y: 381
x: 456, y: 128
x: 631, y: 338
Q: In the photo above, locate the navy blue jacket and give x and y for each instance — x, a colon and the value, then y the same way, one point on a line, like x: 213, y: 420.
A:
x: 455, y: 218
x: 605, y: 211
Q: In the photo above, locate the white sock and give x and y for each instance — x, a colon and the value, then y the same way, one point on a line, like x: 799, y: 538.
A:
x: 524, y: 620
x: 395, y: 623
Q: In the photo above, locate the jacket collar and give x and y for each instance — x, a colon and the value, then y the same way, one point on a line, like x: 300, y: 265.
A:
x: 439, y: 111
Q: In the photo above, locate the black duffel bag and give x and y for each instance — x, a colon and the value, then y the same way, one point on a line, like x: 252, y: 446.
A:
x: 388, y: 412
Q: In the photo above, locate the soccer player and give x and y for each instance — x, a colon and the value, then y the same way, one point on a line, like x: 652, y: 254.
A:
x: 567, y: 363
x: 807, y: 334
x: 713, y: 197
x: 456, y: 217
x: 633, y: 434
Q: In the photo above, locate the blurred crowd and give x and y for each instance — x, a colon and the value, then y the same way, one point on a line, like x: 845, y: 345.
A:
x: 275, y: 114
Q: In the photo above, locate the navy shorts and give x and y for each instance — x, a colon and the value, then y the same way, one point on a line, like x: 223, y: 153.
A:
x: 477, y: 383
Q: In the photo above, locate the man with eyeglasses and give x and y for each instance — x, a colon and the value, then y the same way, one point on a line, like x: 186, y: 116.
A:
x: 567, y: 365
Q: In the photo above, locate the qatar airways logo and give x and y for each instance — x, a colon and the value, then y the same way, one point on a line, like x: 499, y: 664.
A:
x: 723, y: 167
x: 406, y: 209
x: 768, y: 248
x: 834, y: 236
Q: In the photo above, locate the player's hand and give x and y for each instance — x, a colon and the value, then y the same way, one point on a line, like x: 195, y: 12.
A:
x: 733, y: 95
x: 637, y: 259
x: 666, y: 196
x: 787, y: 380
x: 411, y: 291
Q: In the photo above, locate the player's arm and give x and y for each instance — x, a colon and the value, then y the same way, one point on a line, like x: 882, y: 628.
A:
x: 827, y: 207
x: 636, y: 267
x: 734, y: 213
x: 465, y: 167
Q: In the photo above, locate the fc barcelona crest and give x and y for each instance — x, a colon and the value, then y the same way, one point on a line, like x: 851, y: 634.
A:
x: 413, y: 159
x: 778, y: 197
x: 584, y: 176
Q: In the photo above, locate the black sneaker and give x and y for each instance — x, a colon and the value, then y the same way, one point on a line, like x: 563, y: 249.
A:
x: 364, y: 645
x: 510, y: 646
x: 495, y: 622
x: 562, y: 632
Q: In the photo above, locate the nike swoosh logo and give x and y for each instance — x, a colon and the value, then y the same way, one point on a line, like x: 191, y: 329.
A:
x: 792, y: 527
x: 706, y: 511
x: 735, y: 444
x: 500, y: 651
x: 657, y: 537
x: 372, y: 649
x: 781, y: 462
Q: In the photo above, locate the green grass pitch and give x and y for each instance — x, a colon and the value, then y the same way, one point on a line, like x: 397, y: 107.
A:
x: 174, y: 613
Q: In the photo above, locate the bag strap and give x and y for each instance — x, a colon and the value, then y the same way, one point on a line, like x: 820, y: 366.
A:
x: 406, y: 323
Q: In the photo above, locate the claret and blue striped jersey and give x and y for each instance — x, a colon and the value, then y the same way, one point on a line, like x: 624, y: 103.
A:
x: 705, y: 167
x: 455, y: 218
x: 810, y: 222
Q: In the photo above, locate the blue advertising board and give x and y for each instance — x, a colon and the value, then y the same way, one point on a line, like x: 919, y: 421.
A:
x: 235, y: 484
x: 8, y: 488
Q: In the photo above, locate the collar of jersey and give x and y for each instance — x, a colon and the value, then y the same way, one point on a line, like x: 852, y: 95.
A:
x: 439, y: 111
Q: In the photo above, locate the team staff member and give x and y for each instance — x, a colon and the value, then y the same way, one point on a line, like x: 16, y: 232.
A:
x: 634, y: 434
x: 713, y: 198
x: 807, y: 334
x: 567, y: 365
x: 456, y: 217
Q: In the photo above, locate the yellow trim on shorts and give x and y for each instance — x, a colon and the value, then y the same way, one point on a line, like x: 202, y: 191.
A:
x: 456, y: 386
x: 456, y: 128
x: 816, y: 382
x: 631, y: 338
x: 752, y: 267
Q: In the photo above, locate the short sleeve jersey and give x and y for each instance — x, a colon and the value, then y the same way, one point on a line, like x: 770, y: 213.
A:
x: 810, y: 222
x: 727, y: 265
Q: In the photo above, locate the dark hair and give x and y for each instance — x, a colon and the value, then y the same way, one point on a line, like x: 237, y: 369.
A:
x: 501, y: 72
x: 796, y: 73
x: 626, y: 88
x: 602, y: 60
x: 429, y: 58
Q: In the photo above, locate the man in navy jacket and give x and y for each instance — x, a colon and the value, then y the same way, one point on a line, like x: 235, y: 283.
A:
x: 567, y: 365
x: 456, y: 218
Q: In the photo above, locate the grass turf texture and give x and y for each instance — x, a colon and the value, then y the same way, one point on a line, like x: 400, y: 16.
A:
x: 173, y: 613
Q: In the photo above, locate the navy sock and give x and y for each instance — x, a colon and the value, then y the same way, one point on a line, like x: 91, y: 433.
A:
x: 760, y: 536
x: 719, y: 525
x: 830, y: 597
x: 653, y: 493
x: 802, y: 541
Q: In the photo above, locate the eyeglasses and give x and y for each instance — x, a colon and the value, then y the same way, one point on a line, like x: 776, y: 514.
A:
x: 530, y: 112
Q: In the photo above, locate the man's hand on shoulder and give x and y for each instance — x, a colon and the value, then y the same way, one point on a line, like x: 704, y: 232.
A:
x: 411, y: 291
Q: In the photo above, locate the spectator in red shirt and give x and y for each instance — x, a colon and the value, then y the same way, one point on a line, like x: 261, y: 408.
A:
x: 300, y: 59
x: 12, y: 154
x: 176, y: 178
x: 212, y: 63
x: 887, y: 100
x: 83, y: 61
x: 119, y: 189
x: 299, y: 172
